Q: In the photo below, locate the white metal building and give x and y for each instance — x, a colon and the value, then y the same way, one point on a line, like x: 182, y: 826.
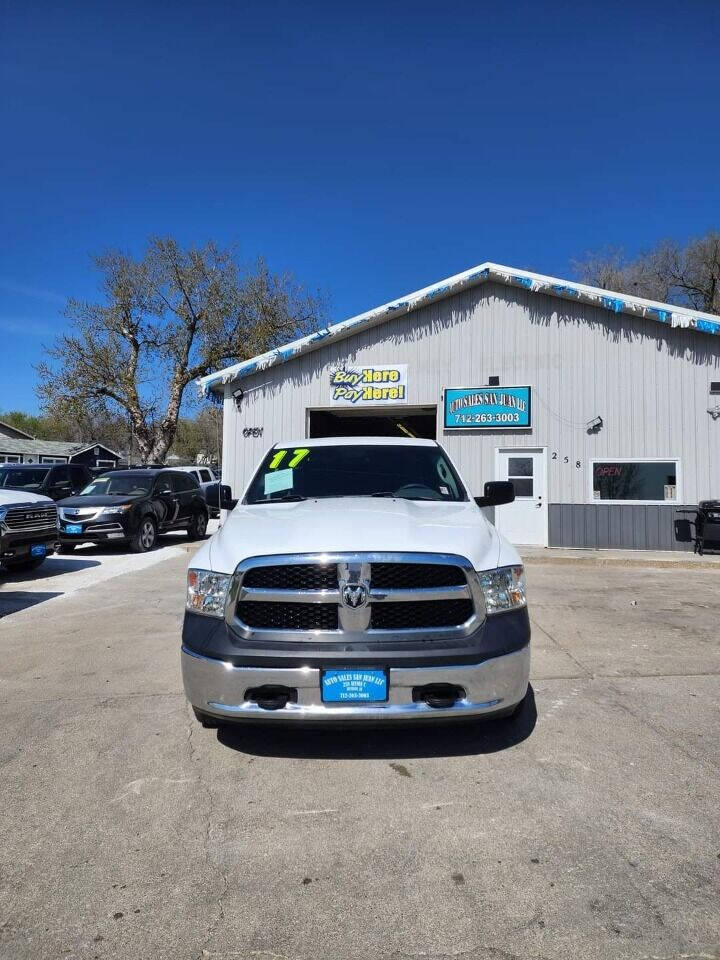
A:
x: 604, y: 409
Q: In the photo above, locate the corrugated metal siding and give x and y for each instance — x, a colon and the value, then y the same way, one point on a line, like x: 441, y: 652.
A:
x: 623, y: 526
x: 648, y: 382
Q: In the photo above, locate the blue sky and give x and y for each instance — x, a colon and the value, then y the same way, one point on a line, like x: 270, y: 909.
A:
x: 371, y: 149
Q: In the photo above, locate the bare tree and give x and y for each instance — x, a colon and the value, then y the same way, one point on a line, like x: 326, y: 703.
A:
x: 166, y: 319
x: 685, y: 275
x: 200, y: 435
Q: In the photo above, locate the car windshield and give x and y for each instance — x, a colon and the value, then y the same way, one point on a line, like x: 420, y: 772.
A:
x: 27, y: 479
x: 120, y: 485
x: 356, y: 470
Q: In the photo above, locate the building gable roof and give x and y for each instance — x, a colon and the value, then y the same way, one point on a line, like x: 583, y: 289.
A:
x: 47, y: 448
x: 10, y: 430
x: 665, y: 313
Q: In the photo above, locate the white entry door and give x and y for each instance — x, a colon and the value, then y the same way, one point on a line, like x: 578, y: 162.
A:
x: 525, y: 520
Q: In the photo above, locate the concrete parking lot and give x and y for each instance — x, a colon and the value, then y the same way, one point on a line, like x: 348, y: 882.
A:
x: 88, y: 566
x: 589, y: 828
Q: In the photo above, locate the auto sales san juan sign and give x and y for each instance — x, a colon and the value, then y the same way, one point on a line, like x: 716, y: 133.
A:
x: 487, y: 408
x: 372, y: 385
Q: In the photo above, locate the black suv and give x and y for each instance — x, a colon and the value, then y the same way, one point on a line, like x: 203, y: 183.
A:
x: 54, y: 480
x: 133, y: 507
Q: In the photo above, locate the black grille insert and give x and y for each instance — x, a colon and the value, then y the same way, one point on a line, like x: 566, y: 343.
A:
x: 420, y: 614
x: 402, y: 576
x: 262, y: 615
x: 31, y: 518
x: 294, y: 576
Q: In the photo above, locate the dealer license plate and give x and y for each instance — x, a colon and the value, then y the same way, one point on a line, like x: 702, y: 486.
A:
x: 37, y: 550
x: 73, y: 528
x: 354, y: 686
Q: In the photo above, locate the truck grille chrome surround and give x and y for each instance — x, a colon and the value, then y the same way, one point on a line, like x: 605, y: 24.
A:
x: 29, y: 518
x: 351, y: 596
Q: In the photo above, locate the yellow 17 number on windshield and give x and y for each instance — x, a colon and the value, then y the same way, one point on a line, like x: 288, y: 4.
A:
x: 297, y: 457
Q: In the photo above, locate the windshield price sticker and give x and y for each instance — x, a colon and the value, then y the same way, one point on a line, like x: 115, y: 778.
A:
x: 279, y: 480
x: 366, y: 386
x: 478, y: 408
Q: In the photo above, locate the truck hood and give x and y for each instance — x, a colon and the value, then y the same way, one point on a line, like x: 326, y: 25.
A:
x: 9, y: 496
x: 354, y: 524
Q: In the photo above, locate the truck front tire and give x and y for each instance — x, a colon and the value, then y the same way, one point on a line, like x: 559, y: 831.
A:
x: 205, y: 720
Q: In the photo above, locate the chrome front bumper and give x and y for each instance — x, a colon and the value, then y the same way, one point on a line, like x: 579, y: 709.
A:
x: 218, y: 688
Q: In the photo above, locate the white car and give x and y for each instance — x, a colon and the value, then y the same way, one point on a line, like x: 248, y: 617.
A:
x: 357, y: 580
x: 28, y: 529
x: 205, y: 476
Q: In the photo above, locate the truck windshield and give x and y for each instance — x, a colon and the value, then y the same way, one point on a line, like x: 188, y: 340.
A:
x: 356, y: 470
x: 27, y: 479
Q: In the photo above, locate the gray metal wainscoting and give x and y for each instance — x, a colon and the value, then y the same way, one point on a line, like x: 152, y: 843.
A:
x: 620, y: 526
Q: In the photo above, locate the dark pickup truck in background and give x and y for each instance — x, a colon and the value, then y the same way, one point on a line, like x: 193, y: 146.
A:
x: 53, y: 480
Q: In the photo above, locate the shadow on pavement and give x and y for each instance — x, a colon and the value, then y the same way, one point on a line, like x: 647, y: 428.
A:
x: 12, y: 601
x: 439, y: 739
x: 174, y: 538
x: 53, y: 567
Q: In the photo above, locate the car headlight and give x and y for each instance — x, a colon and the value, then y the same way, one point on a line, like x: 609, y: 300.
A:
x: 206, y: 592
x: 3, y: 511
x: 504, y: 589
x: 115, y: 511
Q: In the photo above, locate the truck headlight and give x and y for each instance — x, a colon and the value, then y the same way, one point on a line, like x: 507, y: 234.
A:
x: 206, y: 592
x: 504, y: 589
x: 115, y: 511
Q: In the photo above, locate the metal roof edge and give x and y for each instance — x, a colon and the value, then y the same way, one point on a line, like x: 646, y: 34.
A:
x: 673, y: 316
x: 97, y: 443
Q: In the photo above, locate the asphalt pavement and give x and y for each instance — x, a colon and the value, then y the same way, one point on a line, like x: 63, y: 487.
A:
x: 589, y: 827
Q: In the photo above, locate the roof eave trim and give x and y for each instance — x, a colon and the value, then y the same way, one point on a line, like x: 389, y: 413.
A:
x: 89, y: 446
x: 669, y: 314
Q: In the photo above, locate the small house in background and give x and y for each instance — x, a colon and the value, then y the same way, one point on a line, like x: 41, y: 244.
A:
x: 16, y: 446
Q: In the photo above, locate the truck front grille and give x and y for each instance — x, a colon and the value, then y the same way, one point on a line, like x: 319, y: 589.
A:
x: 29, y: 519
x: 398, y: 576
x: 376, y: 594
x: 423, y: 614
x: 297, y: 576
x: 289, y: 616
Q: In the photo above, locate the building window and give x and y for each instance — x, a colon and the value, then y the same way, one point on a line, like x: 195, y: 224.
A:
x: 53, y: 459
x: 635, y: 481
x: 9, y: 458
x: 104, y: 463
x: 520, y: 473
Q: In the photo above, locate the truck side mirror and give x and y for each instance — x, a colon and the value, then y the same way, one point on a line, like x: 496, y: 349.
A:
x: 496, y: 492
x: 226, y: 498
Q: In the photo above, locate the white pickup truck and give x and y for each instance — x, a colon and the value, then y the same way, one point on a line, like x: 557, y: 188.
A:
x: 28, y: 529
x: 357, y: 580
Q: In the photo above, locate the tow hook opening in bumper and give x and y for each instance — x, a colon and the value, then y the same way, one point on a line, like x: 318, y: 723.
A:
x: 272, y: 696
x: 438, y: 695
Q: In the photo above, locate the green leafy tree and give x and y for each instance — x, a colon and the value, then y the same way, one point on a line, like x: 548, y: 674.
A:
x: 200, y: 436
x: 165, y: 319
